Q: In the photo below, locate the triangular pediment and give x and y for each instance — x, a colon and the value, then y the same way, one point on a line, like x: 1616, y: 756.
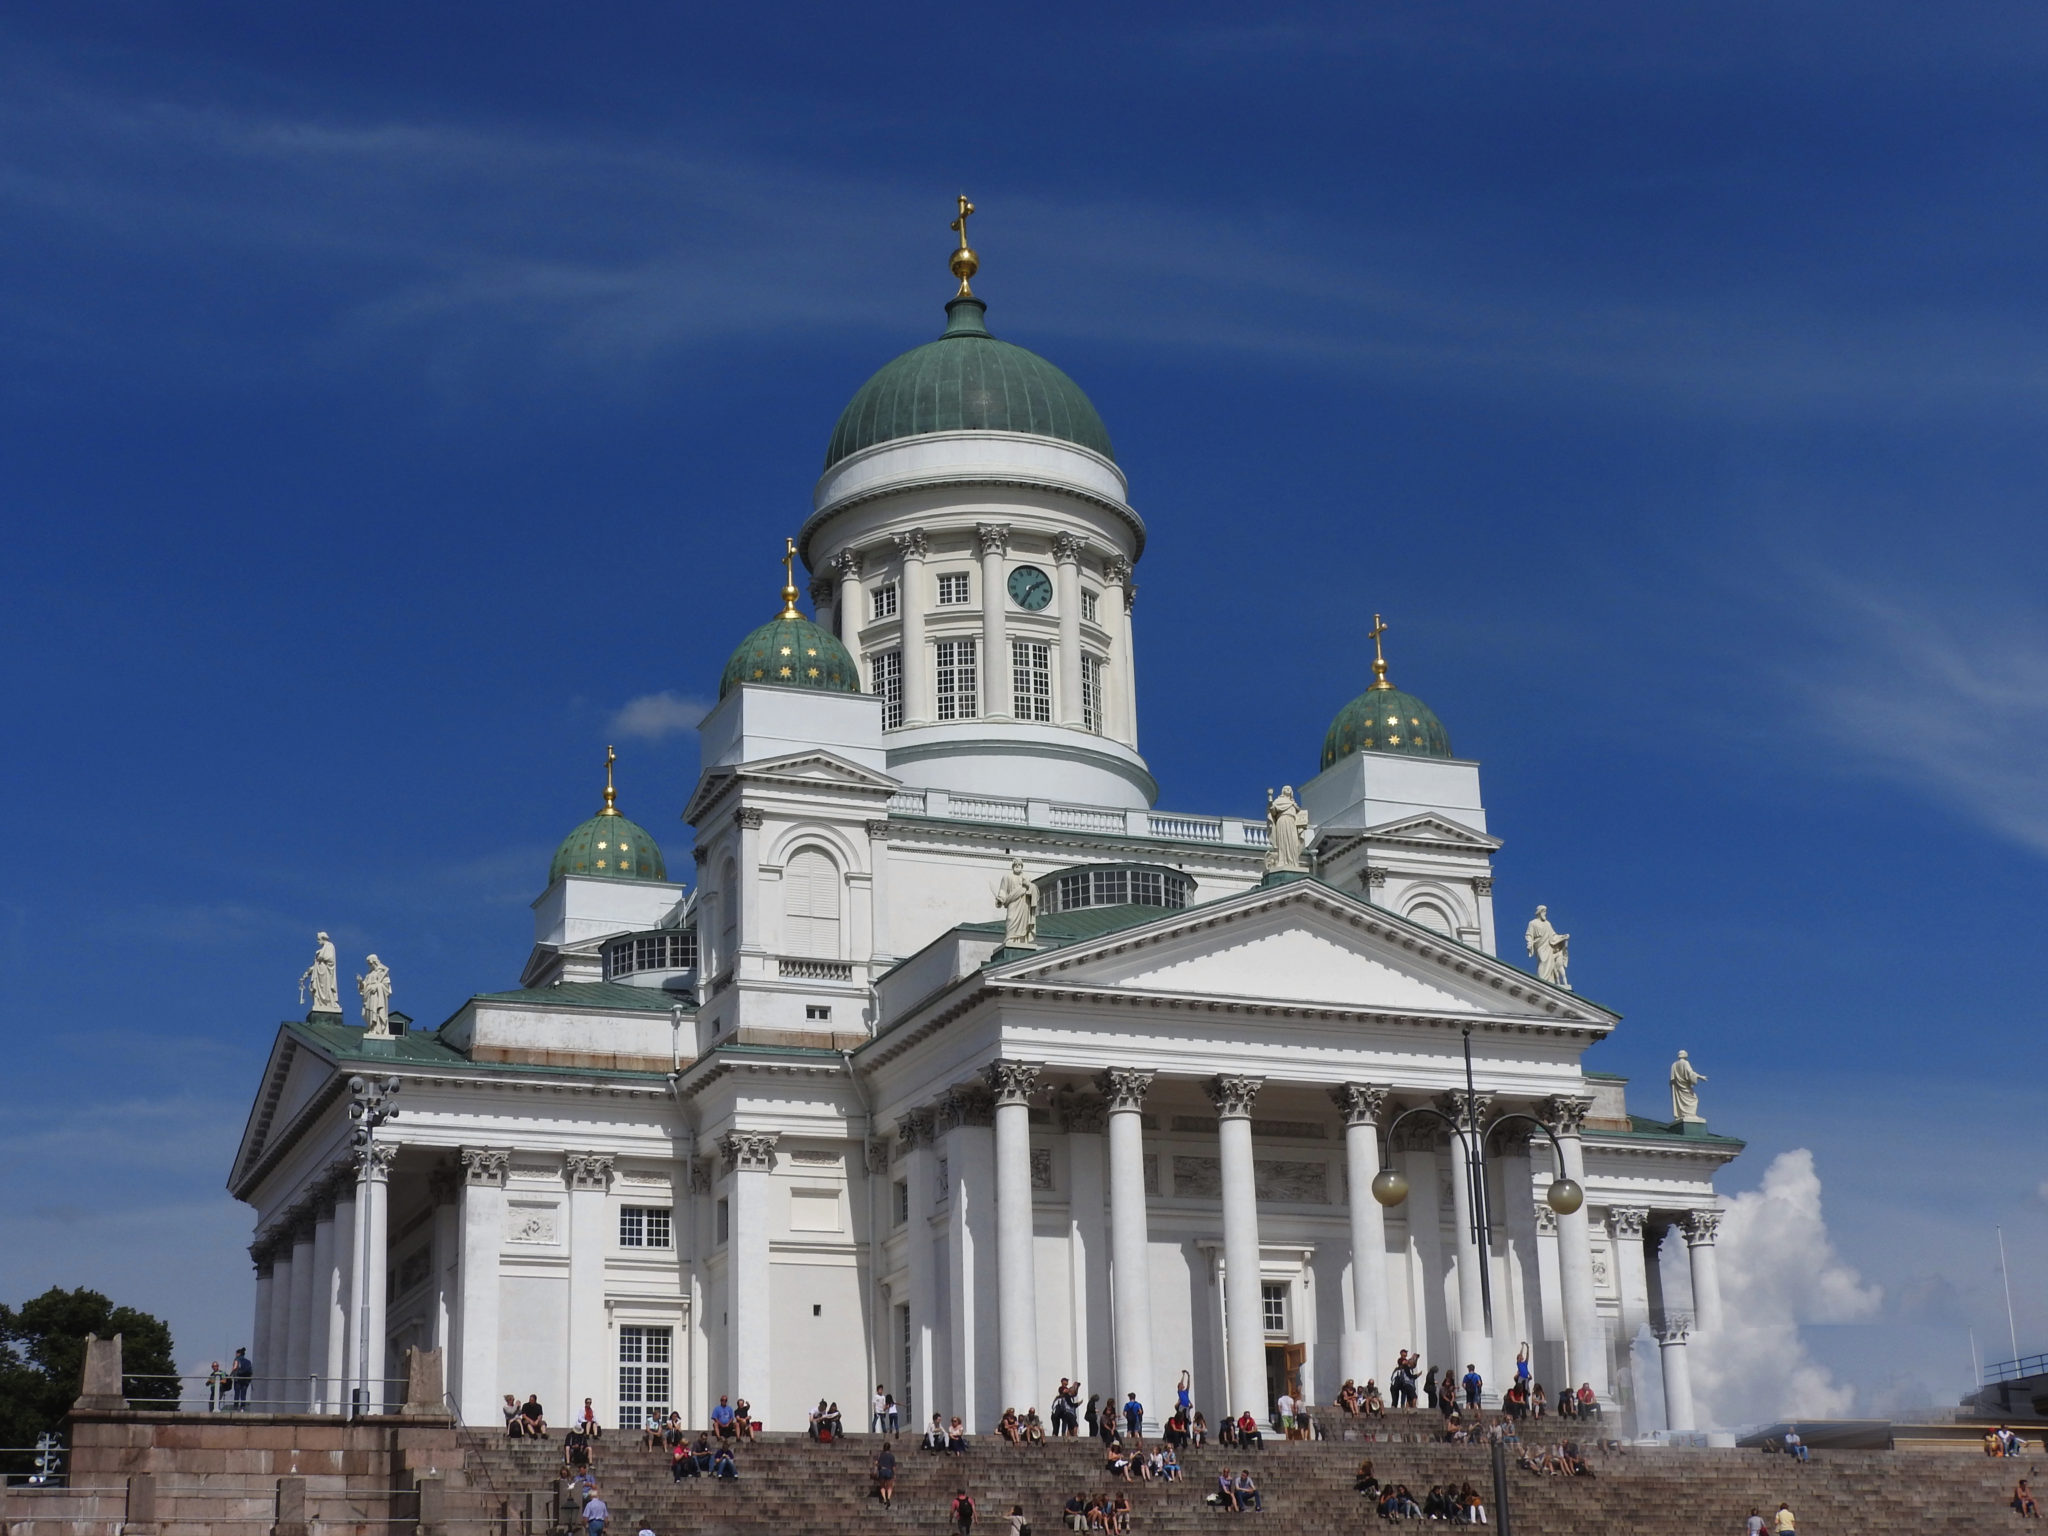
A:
x: 1432, y: 830
x: 1303, y: 945
x: 819, y: 769
x: 294, y: 1076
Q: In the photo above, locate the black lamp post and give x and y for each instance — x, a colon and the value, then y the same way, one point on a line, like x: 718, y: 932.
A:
x: 1390, y: 1186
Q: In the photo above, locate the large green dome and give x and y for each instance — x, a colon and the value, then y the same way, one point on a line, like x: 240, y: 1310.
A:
x: 1385, y: 719
x: 609, y: 847
x: 967, y: 381
x: 789, y: 651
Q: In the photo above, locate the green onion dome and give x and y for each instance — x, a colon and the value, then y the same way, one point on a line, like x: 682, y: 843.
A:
x: 608, y: 846
x: 789, y: 651
x: 967, y: 381
x: 1386, y: 720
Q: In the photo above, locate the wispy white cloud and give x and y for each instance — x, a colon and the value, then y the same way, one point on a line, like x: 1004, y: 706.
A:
x: 1948, y: 698
x: 653, y: 716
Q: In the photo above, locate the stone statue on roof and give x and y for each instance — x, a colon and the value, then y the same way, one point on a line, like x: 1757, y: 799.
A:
x: 1550, y: 949
x: 1685, y: 1097
x: 1018, y: 898
x: 320, y: 977
x: 1287, y: 829
x: 375, y: 990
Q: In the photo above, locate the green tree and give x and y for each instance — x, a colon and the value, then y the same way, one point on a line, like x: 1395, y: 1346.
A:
x: 42, y: 1359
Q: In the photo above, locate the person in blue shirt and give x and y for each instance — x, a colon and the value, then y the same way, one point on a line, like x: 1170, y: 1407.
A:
x: 722, y: 1464
x: 721, y: 1419
x: 1472, y: 1385
x: 596, y: 1513
x: 1184, y: 1395
x: 1134, y: 1415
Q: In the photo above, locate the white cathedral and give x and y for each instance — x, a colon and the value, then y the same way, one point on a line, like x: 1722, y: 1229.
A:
x: 820, y: 1120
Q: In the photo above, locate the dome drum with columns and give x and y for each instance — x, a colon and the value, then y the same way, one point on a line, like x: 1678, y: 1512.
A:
x: 957, y: 1063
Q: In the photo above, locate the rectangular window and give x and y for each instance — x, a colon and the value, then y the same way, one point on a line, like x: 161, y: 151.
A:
x: 954, y: 674
x: 721, y: 1224
x: 885, y: 601
x: 902, y: 1199
x: 903, y: 1404
x: 1073, y: 892
x: 953, y: 589
x: 1088, y: 602
x: 1273, y: 1301
x: 1148, y: 888
x: 644, y: 1227
x: 818, y: 1013
x: 1031, y: 680
x: 646, y: 1356
x: 888, y: 687
x: 1091, y: 692
x: 1112, y: 887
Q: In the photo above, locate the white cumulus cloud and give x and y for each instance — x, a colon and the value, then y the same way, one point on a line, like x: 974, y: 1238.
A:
x: 1779, y: 1269
x: 655, y: 715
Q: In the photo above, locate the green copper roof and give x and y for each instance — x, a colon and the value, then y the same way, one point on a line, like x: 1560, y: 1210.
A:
x: 1386, y: 720
x: 967, y: 381
x: 789, y: 651
x: 609, y: 847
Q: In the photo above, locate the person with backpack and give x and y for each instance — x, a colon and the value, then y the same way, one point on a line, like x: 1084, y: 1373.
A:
x: 963, y: 1513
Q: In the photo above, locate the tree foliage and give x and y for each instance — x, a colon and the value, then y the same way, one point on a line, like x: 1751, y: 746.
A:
x: 42, y: 1359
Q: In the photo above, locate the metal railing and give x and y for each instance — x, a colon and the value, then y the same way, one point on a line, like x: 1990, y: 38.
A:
x: 205, y: 1392
x: 2014, y: 1370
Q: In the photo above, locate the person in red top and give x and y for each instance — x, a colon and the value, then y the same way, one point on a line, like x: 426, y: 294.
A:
x: 1247, y: 1429
x: 1589, y: 1405
x: 963, y: 1513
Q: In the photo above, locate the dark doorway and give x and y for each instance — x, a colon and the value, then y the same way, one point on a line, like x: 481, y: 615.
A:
x: 1283, y: 1371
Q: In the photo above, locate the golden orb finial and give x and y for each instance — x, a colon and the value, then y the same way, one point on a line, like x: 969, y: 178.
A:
x: 789, y: 581
x: 964, y: 263
x: 1379, y: 660
x: 611, y: 795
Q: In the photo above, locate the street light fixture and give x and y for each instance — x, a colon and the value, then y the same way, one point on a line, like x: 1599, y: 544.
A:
x: 370, y: 1105
x: 1390, y: 1185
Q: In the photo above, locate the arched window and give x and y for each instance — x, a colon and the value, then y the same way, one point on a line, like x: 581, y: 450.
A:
x: 810, y: 905
x: 728, y: 915
x: 1430, y: 915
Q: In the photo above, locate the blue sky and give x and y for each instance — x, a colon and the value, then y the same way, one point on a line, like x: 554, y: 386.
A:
x: 388, y: 399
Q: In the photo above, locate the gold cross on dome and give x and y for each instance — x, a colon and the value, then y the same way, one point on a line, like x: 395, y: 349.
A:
x: 1379, y: 660
x: 610, y: 795
x: 959, y: 225
x: 789, y: 580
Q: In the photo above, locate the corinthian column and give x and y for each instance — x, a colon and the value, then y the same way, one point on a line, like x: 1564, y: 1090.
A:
x: 995, y: 649
x: 483, y: 1232
x: 848, y: 610
x: 1066, y: 553
x: 910, y: 601
x: 1475, y: 1346
x: 1585, y: 1343
x: 1672, y: 1332
x: 1118, y: 571
x: 588, y: 1370
x: 920, y: 1177
x: 1016, y: 1287
x: 298, y: 1358
x: 749, y: 1156
x: 1244, y: 1319
x: 1130, y: 1240
x: 1701, y: 1228
x: 1361, y: 1104
x: 366, y: 1320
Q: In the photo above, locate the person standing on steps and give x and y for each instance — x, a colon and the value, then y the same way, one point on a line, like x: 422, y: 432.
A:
x: 963, y: 1513
x: 1473, y: 1384
x: 878, y: 1410
x: 1184, y: 1395
x: 1134, y: 1416
x: 1066, y: 1418
x: 595, y: 1513
x: 885, y: 1475
x: 1754, y: 1525
x: 1783, y: 1523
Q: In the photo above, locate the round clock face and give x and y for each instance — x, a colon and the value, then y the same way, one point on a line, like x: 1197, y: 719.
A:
x: 1030, y: 587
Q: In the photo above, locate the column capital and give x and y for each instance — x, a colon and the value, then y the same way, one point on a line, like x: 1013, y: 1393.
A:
x: 748, y: 816
x: 1672, y: 1327
x: 994, y: 539
x: 1374, y: 876
x: 748, y: 1151
x: 1011, y: 1081
x: 1124, y: 1088
x: 847, y: 564
x: 1564, y: 1113
x: 911, y: 545
x: 1627, y: 1222
x: 1067, y: 548
x: 1546, y: 1219
x: 1702, y: 1227
x: 373, y: 1162
x: 969, y: 1104
x: 915, y: 1128
x: 879, y: 1153
x: 1360, y: 1103
x: 700, y: 1176
x: 589, y: 1170
x: 1482, y: 885
x: 1233, y: 1096
x: 1466, y: 1117
x: 486, y: 1165
x: 823, y: 590
x: 1118, y: 570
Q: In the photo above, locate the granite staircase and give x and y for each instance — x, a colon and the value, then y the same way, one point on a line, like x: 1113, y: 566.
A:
x: 789, y: 1486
